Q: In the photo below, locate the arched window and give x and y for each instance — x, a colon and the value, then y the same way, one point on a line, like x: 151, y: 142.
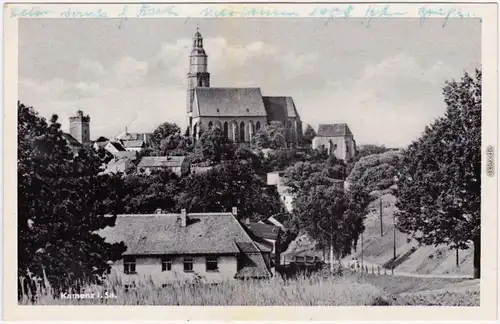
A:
x: 226, y: 130
x: 242, y: 132
x: 257, y: 126
x: 210, y: 125
x: 289, y: 124
x: 195, y: 130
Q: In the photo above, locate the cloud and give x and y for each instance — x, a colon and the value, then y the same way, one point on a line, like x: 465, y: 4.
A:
x: 90, y: 70
x: 390, y: 104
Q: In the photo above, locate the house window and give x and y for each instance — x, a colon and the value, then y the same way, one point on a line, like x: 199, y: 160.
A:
x: 212, y: 263
x: 166, y: 264
x: 129, y: 265
x: 188, y: 264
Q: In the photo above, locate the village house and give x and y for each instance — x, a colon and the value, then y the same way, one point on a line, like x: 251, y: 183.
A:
x: 177, y: 164
x: 134, y: 141
x: 267, y: 237
x: 72, y: 143
x: 169, y: 248
x: 116, y: 165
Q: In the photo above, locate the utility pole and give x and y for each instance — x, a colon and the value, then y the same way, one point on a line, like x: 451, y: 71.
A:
x: 394, y: 235
x: 381, y: 229
x: 361, y: 250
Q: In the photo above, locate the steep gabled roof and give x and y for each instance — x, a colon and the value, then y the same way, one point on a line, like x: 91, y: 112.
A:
x: 279, y: 108
x: 334, y: 130
x: 252, y: 266
x: 227, y: 102
x: 161, y: 161
x: 265, y: 231
x: 71, y: 140
x: 205, y: 233
x: 133, y: 143
x: 118, y: 146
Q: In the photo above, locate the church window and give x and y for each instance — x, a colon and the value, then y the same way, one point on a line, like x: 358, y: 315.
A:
x: 242, y: 132
x: 226, y: 130
x: 257, y: 126
x: 210, y: 125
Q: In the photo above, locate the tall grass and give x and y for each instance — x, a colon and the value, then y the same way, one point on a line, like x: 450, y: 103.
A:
x: 301, y: 291
x: 318, y: 289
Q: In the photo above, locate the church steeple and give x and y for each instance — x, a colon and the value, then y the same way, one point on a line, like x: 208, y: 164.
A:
x: 198, y: 75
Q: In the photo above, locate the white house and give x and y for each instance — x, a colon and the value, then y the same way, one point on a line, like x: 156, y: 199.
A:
x: 168, y: 248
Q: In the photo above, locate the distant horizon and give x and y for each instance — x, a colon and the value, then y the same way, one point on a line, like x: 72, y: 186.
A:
x: 385, y: 81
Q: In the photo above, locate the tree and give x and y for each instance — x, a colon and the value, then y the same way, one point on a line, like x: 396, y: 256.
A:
x: 270, y: 136
x: 143, y: 194
x: 365, y: 150
x: 309, y: 135
x: 164, y: 131
x: 439, y: 187
x: 213, y: 146
x: 376, y: 171
x: 62, y: 203
x: 230, y: 184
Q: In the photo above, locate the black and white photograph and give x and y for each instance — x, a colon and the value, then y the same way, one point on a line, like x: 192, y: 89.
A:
x: 274, y: 160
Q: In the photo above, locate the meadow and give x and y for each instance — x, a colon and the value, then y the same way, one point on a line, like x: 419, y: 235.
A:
x: 350, y: 289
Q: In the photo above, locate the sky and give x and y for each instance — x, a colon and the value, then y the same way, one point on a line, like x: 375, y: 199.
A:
x: 384, y: 79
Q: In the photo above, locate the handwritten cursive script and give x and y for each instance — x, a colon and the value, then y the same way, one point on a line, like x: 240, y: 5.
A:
x: 246, y: 12
x: 32, y: 12
x: 155, y: 10
x: 374, y: 11
x: 446, y: 13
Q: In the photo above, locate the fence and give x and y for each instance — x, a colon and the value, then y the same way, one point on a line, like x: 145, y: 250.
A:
x: 370, y: 269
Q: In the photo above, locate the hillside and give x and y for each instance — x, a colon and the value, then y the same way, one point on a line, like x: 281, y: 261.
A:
x: 376, y: 173
x: 410, y: 257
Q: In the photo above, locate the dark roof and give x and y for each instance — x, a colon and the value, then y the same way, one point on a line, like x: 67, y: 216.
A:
x: 71, y: 140
x: 214, y: 233
x: 228, y: 102
x: 118, y: 146
x: 279, y: 108
x: 161, y: 161
x: 133, y: 143
x: 333, y: 130
x: 131, y: 155
x: 265, y: 231
x: 253, y: 266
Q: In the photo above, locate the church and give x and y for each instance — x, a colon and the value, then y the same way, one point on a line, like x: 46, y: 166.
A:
x: 239, y: 112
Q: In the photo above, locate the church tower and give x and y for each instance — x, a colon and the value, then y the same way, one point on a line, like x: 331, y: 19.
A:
x: 198, y: 75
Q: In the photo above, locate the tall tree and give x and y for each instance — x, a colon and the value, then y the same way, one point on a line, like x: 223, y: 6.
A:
x: 309, y: 135
x: 214, y: 147
x: 270, y: 136
x: 230, y: 184
x: 439, y: 188
x: 165, y: 132
x: 62, y: 203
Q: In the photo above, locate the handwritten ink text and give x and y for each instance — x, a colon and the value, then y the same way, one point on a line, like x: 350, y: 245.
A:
x: 32, y: 12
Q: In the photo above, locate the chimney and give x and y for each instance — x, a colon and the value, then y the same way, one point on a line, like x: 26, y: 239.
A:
x: 183, y: 218
x: 235, y: 211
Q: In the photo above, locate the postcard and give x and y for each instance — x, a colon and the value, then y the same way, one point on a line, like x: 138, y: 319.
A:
x: 335, y: 161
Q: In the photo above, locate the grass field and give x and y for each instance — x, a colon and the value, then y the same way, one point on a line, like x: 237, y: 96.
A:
x: 351, y: 289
